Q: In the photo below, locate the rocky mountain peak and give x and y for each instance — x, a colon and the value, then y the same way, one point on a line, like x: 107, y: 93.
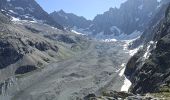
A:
x: 131, y: 16
x: 70, y: 20
x: 61, y: 11
x: 27, y: 10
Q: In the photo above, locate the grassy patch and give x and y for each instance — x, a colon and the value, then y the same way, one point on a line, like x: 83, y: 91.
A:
x: 162, y: 95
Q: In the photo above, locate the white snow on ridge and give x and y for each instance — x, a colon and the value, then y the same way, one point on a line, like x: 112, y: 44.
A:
x: 80, y: 30
x: 77, y: 32
x: 13, y: 12
x: 15, y: 19
x: 109, y: 40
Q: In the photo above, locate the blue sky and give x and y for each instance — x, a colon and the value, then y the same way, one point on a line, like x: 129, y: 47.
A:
x: 87, y: 8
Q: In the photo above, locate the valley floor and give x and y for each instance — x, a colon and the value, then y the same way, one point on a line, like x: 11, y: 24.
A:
x: 92, y: 71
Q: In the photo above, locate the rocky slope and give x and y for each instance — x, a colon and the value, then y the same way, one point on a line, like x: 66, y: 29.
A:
x: 23, y: 46
x: 28, y: 46
x: 148, y: 70
x: 39, y: 61
x: 70, y: 20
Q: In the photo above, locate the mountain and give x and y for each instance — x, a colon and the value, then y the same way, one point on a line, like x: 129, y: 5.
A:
x: 39, y: 61
x: 148, y: 33
x: 133, y: 16
x: 28, y: 48
x: 70, y: 20
x: 148, y: 70
x: 23, y: 41
x: 27, y: 10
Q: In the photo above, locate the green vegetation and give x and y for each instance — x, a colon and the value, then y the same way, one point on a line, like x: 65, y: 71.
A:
x: 164, y: 93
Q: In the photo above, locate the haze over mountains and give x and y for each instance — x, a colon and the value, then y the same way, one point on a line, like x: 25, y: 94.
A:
x: 62, y: 56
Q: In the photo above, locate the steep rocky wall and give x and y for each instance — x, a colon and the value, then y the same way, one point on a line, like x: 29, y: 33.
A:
x: 150, y: 74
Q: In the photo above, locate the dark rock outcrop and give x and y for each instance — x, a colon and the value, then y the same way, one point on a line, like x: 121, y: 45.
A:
x: 89, y: 97
x: 150, y: 74
x: 25, y: 69
x: 8, y: 54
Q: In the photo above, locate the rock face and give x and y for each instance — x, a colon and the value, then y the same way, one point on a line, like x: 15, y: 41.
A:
x: 114, y: 22
x: 25, y: 69
x: 139, y: 13
x: 149, y: 69
x: 27, y: 10
x: 70, y: 20
x: 148, y: 34
x: 8, y: 54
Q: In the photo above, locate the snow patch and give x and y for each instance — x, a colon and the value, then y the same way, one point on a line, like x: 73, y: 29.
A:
x: 147, y: 53
x: 126, y: 85
x: 109, y: 40
x: 15, y: 19
x: 77, y: 32
x: 123, y: 70
x: 80, y: 30
x: 134, y: 51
